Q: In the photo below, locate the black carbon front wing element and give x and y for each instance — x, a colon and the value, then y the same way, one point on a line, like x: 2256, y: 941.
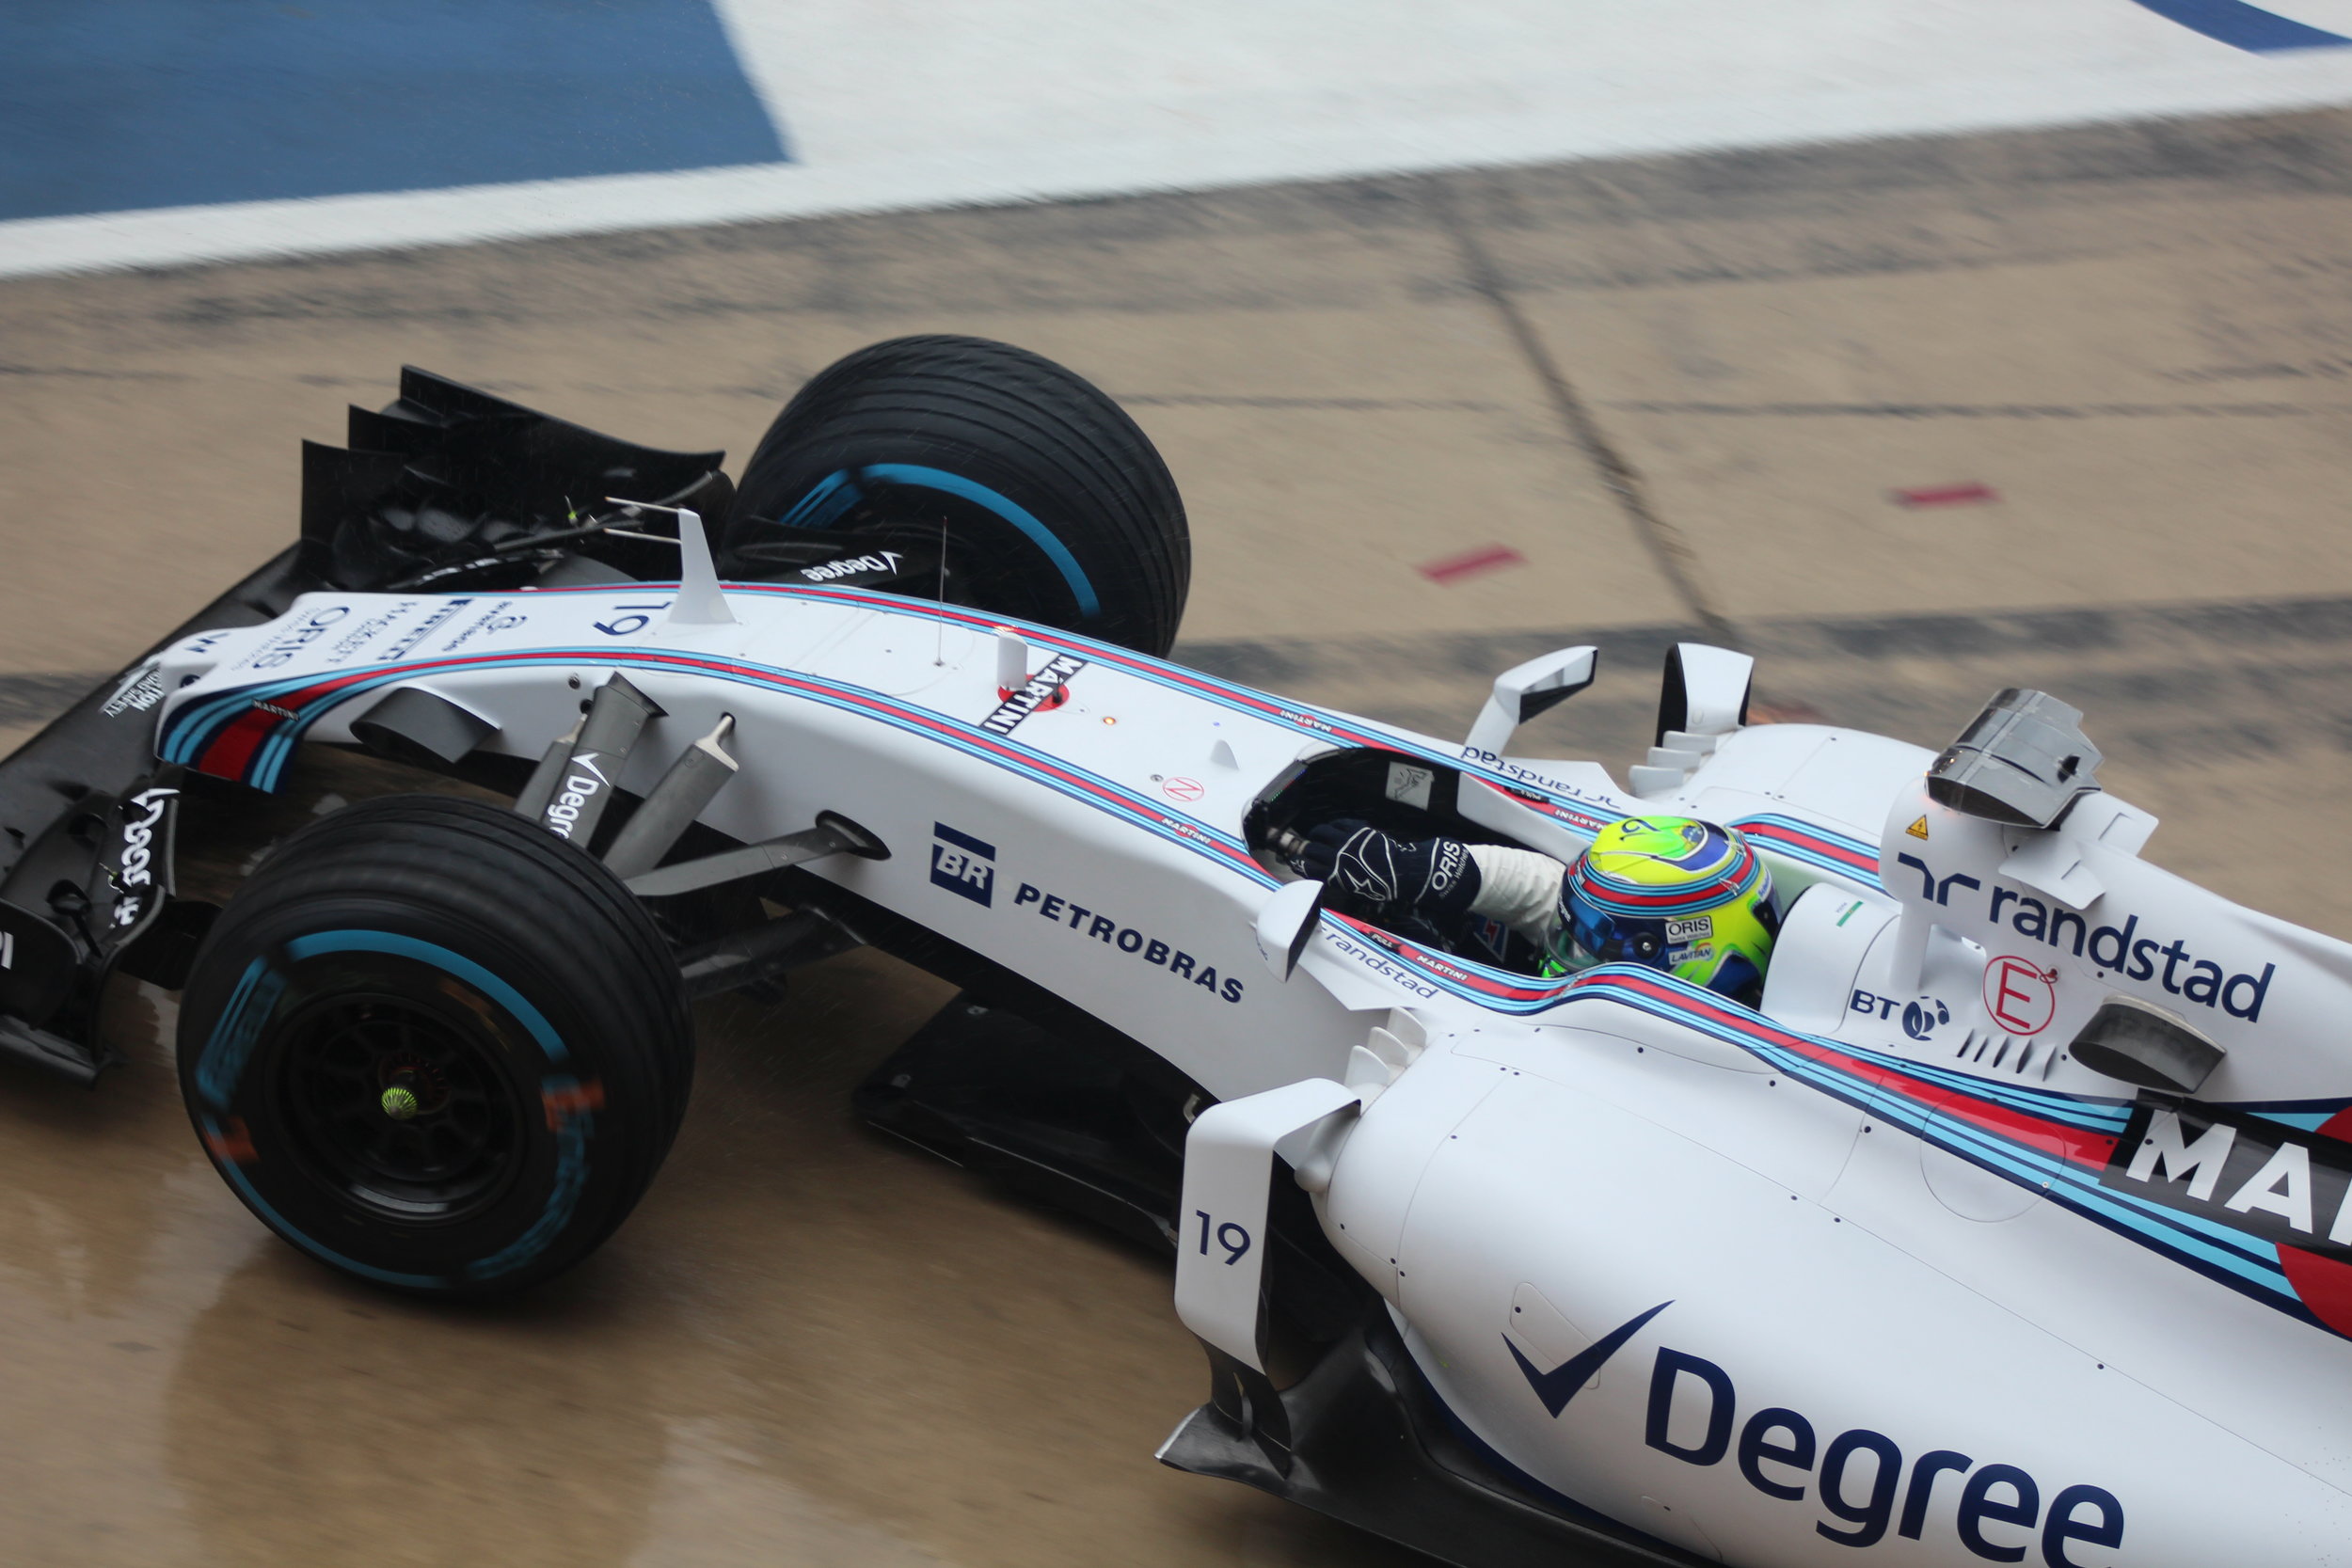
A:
x: 445, y: 490
x: 1362, y: 1439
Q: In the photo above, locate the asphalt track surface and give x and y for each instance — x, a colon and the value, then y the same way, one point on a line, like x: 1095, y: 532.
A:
x: 1660, y: 399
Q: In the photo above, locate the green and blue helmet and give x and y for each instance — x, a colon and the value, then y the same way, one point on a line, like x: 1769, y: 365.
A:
x: 1674, y: 893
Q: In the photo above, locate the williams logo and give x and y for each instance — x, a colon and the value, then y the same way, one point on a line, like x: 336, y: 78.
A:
x: 1556, y: 1388
x: 963, y: 865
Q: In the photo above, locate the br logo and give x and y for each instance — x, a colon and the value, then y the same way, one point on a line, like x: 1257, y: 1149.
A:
x: 962, y: 864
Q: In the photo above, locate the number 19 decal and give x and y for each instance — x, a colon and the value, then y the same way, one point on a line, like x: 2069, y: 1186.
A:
x: 622, y: 625
x: 1233, y: 1238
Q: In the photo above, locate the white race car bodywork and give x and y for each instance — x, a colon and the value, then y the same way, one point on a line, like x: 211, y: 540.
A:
x: 1878, y: 1269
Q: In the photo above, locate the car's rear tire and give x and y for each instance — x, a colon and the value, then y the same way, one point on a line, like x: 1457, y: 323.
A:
x: 1054, y: 506
x: 436, y: 1047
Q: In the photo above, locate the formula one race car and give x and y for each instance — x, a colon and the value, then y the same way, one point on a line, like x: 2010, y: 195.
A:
x: 2013, y: 1224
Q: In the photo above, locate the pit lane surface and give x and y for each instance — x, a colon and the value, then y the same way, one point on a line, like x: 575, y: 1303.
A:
x: 1683, y: 393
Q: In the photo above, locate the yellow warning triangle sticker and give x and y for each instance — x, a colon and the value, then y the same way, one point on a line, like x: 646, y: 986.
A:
x: 1919, y: 829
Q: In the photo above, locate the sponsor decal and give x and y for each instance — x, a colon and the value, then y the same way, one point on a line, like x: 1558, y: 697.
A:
x: 366, y: 631
x: 272, y: 709
x: 1556, y: 1388
x: 1921, y: 1019
x: 423, y: 629
x: 2021, y: 995
x: 142, y: 689
x: 2245, y: 1171
x: 1043, y: 689
x: 1177, y: 787
x: 282, y: 649
x: 1380, y: 963
x: 2117, y: 947
x: 1497, y: 762
x: 139, y: 835
x: 1697, y: 927
x: 964, y: 865
x: 1127, y: 938
x: 883, y: 562
x: 135, y: 864
x: 496, y: 618
x: 583, y: 778
x: 1862, y: 1481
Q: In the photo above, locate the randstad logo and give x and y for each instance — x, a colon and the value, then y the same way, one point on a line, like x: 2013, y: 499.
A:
x: 2118, y: 948
x: 962, y: 864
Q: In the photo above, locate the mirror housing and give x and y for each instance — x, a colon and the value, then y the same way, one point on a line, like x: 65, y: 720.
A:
x: 1706, y: 691
x: 2024, y: 761
x: 1528, y: 690
x: 1287, y: 922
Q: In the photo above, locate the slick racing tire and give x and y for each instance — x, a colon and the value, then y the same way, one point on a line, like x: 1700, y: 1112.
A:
x: 1054, y: 506
x: 436, y: 1047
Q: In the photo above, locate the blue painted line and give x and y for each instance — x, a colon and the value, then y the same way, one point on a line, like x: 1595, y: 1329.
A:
x: 440, y: 957
x: 115, y: 104
x: 2244, y: 27
x: 1020, y: 517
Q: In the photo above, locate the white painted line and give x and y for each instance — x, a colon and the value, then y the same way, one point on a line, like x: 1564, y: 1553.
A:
x: 931, y: 104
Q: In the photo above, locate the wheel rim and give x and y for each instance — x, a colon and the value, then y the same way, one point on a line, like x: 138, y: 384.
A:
x: 399, y: 1106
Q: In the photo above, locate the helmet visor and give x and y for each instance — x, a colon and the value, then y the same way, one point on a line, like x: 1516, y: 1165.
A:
x: 1588, y: 937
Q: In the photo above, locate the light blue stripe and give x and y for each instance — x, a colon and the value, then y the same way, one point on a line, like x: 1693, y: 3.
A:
x: 440, y: 957
x: 365, y: 1271
x: 980, y: 495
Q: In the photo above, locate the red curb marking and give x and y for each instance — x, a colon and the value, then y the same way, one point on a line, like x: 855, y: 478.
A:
x: 1947, y: 495
x: 1486, y: 558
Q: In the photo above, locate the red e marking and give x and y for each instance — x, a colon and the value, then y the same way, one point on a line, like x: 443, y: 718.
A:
x: 2022, y: 996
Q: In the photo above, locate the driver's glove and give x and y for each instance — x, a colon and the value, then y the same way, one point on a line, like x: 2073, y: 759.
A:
x: 1435, y: 877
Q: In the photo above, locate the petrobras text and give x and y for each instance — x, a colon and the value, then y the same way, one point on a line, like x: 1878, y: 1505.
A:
x: 1127, y: 938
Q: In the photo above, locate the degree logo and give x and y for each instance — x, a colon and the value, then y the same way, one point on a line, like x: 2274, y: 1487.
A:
x: 1556, y: 1388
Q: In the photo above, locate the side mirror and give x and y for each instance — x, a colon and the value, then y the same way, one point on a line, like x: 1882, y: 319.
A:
x: 1706, y: 691
x: 1704, y: 698
x: 1528, y: 690
x: 1287, y: 923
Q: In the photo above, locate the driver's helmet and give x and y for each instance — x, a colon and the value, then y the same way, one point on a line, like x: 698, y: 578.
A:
x: 1674, y: 893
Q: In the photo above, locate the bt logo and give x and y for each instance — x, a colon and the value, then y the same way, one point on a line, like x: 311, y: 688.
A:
x: 1920, y: 1019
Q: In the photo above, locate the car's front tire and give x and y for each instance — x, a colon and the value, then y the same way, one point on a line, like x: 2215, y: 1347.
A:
x: 1053, y: 505
x: 436, y: 1047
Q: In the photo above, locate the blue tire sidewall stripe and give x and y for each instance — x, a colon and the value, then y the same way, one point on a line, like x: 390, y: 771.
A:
x: 221, y: 1065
